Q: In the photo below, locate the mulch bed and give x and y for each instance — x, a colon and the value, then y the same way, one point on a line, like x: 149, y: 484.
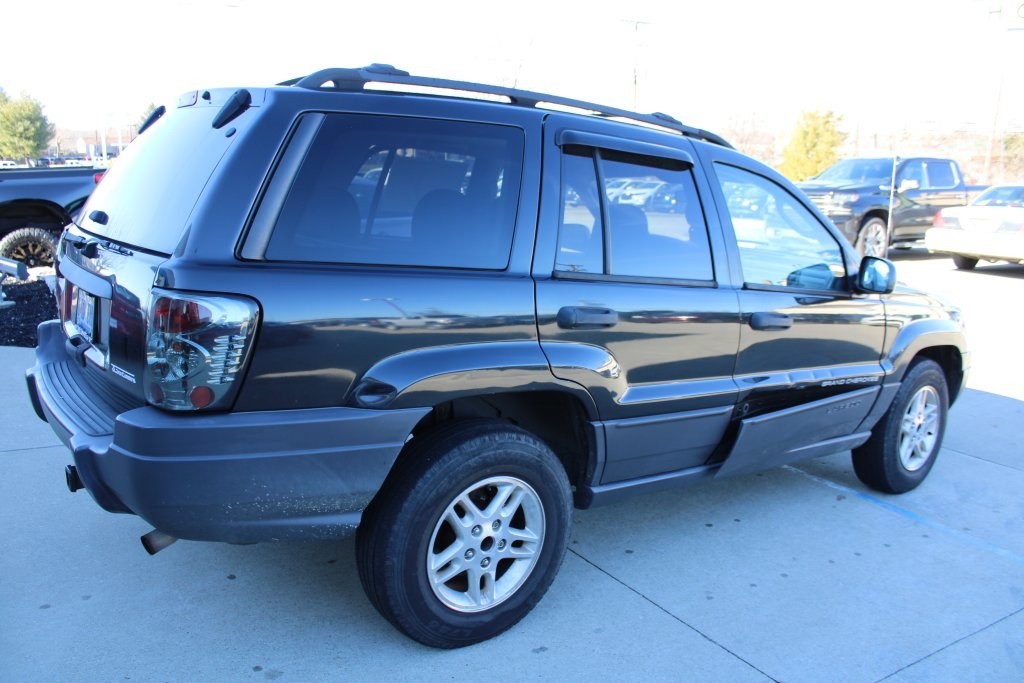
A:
x: 33, y: 304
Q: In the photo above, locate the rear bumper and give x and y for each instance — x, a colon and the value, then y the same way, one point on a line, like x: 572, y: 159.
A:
x: 236, y: 477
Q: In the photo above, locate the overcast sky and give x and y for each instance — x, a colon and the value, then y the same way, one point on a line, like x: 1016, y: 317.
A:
x: 713, y: 63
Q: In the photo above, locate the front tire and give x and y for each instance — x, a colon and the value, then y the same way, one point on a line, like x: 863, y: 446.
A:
x: 466, y: 534
x: 873, y: 238
x: 906, y: 441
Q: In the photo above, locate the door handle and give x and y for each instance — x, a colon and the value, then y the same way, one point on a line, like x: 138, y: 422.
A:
x: 574, y: 317
x: 766, y: 320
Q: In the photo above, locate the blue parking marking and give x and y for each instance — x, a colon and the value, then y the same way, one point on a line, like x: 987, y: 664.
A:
x: 912, y: 516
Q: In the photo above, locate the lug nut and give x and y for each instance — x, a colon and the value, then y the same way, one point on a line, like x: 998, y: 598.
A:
x: 501, y: 544
x: 469, y: 554
x: 485, y: 562
x: 496, y: 524
x: 477, y: 530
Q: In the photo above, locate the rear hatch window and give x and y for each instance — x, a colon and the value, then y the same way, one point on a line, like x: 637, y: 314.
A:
x: 150, y: 190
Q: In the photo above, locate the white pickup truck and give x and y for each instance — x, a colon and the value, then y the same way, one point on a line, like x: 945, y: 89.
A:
x: 35, y: 204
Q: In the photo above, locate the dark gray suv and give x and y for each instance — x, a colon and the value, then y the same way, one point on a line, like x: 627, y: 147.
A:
x: 438, y: 315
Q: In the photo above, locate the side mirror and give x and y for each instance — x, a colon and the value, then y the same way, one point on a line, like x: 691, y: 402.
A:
x: 909, y: 184
x: 876, y: 275
x: 817, y: 276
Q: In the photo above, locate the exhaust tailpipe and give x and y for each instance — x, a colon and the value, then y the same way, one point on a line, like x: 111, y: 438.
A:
x: 74, y: 481
x: 155, y: 541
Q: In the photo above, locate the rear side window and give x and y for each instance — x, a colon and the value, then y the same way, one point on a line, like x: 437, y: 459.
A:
x: 941, y: 174
x: 403, y: 191
x: 645, y: 221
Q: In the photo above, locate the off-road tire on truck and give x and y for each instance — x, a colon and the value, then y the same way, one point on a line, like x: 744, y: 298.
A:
x: 466, y: 534
x: 32, y: 246
x: 905, y: 442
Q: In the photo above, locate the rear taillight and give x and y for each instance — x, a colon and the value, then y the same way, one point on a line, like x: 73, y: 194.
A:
x: 98, y: 177
x: 196, y: 347
x: 938, y: 221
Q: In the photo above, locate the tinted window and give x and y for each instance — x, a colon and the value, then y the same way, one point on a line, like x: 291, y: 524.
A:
x: 941, y: 174
x: 912, y: 170
x: 150, y: 190
x: 781, y: 243
x: 580, y: 242
x: 403, y: 191
x: 647, y: 222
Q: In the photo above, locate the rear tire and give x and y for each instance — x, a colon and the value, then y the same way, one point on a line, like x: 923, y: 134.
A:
x: 906, y: 441
x: 32, y: 246
x: 964, y: 262
x: 466, y: 534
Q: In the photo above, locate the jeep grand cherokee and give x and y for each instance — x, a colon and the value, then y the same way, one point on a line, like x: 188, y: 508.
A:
x: 416, y: 310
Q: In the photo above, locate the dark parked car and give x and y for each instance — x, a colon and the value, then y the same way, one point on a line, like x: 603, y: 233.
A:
x: 856, y: 193
x: 315, y: 310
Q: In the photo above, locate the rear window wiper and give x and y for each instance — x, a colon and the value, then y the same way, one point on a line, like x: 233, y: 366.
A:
x: 88, y: 245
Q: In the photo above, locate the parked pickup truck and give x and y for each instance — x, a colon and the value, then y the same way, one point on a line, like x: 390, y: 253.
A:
x: 855, y: 195
x: 35, y: 204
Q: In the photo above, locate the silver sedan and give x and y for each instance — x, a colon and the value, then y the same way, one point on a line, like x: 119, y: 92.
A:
x: 990, y: 228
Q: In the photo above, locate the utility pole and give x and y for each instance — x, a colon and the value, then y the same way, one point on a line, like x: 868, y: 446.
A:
x: 1011, y: 14
x: 636, y: 49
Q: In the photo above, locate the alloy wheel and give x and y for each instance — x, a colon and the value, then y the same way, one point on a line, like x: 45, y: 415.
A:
x: 485, y: 544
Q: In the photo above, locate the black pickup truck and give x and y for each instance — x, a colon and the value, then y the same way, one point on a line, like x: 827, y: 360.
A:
x: 856, y: 194
x: 36, y: 204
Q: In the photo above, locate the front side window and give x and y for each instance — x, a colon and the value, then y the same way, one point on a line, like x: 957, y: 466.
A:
x: 780, y: 242
x: 912, y: 171
x: 403, y: 191
x: 646, y: 221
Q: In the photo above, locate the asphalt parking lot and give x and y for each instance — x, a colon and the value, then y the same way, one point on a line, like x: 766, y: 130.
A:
x: 797, y: 574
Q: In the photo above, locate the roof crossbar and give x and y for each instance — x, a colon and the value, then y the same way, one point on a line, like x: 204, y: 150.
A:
x: 357, y: 79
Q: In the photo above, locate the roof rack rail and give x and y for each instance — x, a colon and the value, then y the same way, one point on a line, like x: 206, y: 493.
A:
x: 357, y: 79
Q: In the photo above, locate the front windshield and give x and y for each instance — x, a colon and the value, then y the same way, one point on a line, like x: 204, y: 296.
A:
x: 860, y: 171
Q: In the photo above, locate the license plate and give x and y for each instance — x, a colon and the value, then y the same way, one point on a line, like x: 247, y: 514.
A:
x: 85, y: 313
